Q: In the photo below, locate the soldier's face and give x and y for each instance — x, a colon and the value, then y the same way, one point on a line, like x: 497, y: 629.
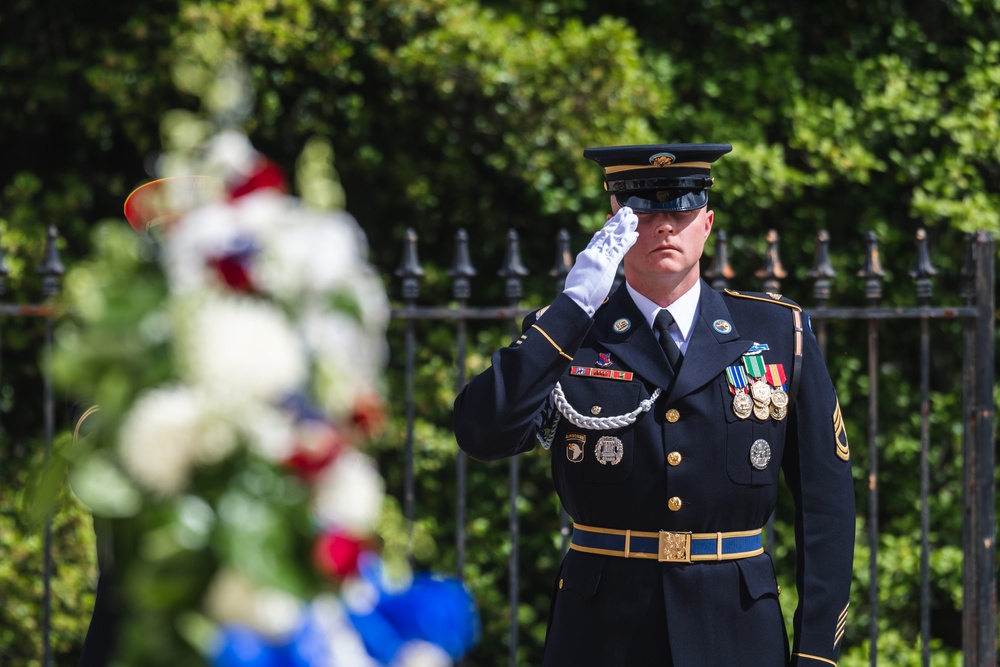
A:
x: 669, y: 243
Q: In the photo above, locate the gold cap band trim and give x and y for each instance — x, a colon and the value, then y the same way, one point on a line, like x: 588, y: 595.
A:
x: 633, y: 167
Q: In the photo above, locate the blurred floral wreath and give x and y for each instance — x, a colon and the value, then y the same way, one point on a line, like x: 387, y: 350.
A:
x: 233, y: 353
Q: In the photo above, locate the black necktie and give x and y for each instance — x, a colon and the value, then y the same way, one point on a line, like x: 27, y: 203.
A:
x: 662, y: 323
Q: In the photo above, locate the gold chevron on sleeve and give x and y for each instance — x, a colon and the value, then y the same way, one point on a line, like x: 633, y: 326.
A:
x: 841, y: 626
x: 840, y: 434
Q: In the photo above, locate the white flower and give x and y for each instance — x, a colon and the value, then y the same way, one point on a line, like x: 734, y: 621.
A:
x: 345, y: 647
x: 207, y: 232
x: 159, y: 438
x: 349, y: 493
x: 268, y: 432
x: 348, y: 359
x: 368, y: 290
x: 418, y: 653
x: 233, y: 597
x: 314, y: 253
x: 231, y: 154
x: 243, y: 346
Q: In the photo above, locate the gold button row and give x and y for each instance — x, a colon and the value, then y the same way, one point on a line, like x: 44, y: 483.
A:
x: 674, y: 458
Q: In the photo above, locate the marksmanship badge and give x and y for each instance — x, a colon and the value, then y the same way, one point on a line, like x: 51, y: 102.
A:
x: 760, y: 454
x: 609, y: 449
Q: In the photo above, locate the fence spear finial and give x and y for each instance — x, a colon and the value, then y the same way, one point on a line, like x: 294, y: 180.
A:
x: 822, y: 271
x: 409, y: 267
x: 923, y: 271
x: 772, y: 271
x: 872, y: 270
x: 969, y: 270
x: 513, y: 269
x: 564, y: 260
x: 720, y: 271
x: 51, y: 268
x: 461, y: 270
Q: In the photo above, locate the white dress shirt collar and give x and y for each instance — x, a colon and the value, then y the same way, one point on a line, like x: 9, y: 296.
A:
x: 683, y: 310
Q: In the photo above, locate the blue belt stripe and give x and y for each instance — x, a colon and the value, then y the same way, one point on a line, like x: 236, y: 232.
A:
x: 704, y: 546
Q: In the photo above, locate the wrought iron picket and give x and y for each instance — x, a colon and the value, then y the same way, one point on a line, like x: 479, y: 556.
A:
x: 51, y: 271
x: 977, y: 315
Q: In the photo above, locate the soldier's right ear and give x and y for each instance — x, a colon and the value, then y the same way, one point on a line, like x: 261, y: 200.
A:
x: 614, y: 207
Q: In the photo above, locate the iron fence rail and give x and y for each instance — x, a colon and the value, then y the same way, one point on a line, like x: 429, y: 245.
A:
x: 977, y: 314
x: 51, y: 271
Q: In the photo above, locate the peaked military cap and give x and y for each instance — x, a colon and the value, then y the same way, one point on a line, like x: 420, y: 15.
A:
x: 659, y: 177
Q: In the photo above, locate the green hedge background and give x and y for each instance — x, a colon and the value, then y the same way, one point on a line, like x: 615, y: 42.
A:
x: 446, y: 114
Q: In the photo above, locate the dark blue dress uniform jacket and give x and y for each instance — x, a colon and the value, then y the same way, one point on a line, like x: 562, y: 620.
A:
x: 690, y: 472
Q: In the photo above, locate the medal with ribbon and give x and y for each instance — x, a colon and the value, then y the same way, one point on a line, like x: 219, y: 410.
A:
x: 760, y: 390
x: 742, y: 403
x: 779, y: 398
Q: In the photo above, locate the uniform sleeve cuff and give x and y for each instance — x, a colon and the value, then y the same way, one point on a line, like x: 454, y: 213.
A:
x: 800, y: 659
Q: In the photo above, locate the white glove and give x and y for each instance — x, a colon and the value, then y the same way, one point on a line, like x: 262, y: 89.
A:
x: 591, y: 277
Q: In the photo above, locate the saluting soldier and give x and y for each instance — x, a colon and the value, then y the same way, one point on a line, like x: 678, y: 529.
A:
x: 669, y: 409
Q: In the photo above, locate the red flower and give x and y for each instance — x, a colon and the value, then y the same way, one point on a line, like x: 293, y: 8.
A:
x: 336, y: 554
x: 266, y: 175
x: 317, y: 445
x: 233, y: 271
x: 369, y: 415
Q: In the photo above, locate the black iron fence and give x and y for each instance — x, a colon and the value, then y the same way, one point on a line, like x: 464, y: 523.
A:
x: 50, y: 270
x: 975, y: 313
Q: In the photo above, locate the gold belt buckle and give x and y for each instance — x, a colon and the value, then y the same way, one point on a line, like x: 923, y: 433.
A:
x: 674, y: 547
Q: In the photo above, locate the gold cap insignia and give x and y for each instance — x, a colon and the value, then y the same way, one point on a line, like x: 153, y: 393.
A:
x: 662, y: 159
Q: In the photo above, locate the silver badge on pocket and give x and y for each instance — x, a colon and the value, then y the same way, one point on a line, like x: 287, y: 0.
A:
x: 609, y: 449
x: 760, y: 454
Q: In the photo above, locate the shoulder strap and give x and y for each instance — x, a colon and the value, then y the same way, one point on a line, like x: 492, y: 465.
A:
x: 793, y: 388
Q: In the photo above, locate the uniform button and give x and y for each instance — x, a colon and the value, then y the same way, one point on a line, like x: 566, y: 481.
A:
x: 596, y: 410
x: 673, y: 415
x: 560, y: 583
x: 674, y: 458
x: 674, y: 504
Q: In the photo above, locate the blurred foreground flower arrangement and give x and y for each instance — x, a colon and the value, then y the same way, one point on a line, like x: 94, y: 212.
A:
x: 232, y: 352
